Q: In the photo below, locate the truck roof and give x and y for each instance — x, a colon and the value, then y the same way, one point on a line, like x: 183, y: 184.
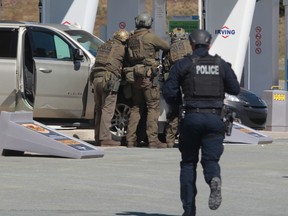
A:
x: 53, y: 25
x: 72, y: 32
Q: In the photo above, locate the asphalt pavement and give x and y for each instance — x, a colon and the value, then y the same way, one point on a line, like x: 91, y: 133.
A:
x: 143, y: 182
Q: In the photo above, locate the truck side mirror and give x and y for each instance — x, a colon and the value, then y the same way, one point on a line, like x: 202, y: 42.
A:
x: 78, y: 54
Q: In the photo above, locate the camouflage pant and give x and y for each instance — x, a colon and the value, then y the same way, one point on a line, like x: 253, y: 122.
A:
x: 104, y: 108
x: 142, y: 97
x: 172, y: 124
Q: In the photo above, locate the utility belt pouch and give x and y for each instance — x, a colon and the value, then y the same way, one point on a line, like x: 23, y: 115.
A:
x: 140, y: 71
x: 106, y: 82
x: 116, y: 85
x: 155, y: 81
x: 110, y: 82
x: 129, y: 74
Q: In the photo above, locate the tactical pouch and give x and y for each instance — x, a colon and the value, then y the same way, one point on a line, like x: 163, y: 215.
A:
x: 110, y: 82
x: 155, y: 81
x: 139, y: 70
x: 116, y: 84
x: 129, y: 74
x: 106, y: 82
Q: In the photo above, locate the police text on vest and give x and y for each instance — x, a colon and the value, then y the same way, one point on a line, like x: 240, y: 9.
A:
x: 207, y: 69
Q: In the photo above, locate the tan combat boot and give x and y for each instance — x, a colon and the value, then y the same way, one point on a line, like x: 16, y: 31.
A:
x: 110, y: 143
x: 157, y: 144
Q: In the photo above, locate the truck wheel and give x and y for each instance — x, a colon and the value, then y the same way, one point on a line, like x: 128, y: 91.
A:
x: 119, y: 122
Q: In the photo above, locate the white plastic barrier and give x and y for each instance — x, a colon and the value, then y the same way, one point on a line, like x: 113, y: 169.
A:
x: 19, y: 132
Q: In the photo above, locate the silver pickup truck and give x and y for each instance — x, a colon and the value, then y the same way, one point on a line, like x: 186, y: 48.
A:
x: 45, y: 69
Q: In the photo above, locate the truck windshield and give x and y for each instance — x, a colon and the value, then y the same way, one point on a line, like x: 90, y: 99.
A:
x: 87, y: 40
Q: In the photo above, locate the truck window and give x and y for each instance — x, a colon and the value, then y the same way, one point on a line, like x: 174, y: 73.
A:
x: 87, y: 40
x: 62, y: 49
x: 8, y: 43
x: 48, y: 45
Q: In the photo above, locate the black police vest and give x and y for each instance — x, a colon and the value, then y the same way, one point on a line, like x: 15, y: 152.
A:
x: 204, y: 80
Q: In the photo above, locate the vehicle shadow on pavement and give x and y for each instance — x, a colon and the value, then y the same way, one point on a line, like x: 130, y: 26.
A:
x: 142, y: 214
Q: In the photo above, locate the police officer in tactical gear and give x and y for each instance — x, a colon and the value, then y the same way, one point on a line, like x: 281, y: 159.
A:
x: 179, y: 48
x: 143, y: 56
x: 203, y: 79
x: 106, y: 77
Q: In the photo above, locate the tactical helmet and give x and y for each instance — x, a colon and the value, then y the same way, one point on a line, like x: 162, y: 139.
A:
x: 178, y: 34
x: 200, y: 37
x: 121, y: 35
x: 143, y: 20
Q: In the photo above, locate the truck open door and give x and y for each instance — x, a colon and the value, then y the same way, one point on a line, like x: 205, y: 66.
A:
x: 8, y: 62
x: 61, y: 74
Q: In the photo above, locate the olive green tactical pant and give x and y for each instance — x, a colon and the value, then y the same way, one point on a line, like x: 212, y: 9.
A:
x: 105, y: 104
x: 144, y: 96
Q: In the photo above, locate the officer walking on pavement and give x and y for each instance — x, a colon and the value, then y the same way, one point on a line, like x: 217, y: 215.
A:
x: 203, y: 80
x: 106, y: 78
x: 143, y: 56
x: 179, y: 47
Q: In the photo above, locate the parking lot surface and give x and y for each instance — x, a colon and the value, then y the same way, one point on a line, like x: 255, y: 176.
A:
x: 143, y: 182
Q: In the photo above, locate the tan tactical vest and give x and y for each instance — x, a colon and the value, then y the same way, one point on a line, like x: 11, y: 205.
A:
x: 136, y: 50
x: 179, y: 49
x: 110, y: 55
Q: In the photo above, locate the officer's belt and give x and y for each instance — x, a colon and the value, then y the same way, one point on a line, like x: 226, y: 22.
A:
x: 204, y: 110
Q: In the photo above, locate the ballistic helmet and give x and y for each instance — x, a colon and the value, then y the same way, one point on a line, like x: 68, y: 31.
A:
x: 200, y: 37
x: 143, y: 20
x: 178, y: 34
x: 121, y: 35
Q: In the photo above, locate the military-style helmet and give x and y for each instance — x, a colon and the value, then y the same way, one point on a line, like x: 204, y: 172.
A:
x: 121, y: 35
x: 178, y: 34
x: 143, y: 20
x: 200, y: 37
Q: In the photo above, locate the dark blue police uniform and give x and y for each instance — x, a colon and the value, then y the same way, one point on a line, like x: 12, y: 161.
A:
x: 203, y: 79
